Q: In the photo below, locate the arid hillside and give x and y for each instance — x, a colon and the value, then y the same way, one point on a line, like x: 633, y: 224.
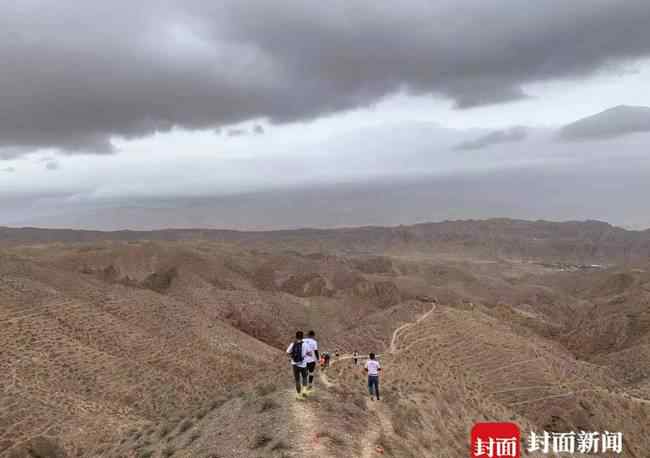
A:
x: 171, y: 343
x: 570, y: 241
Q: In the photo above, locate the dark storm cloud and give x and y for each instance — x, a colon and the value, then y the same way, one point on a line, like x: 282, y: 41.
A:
x: 77, y: 73
x: 615, y: 122
x: 514, y: 134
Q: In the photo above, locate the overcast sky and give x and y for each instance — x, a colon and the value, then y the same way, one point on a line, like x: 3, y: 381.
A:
x: 103, y: 104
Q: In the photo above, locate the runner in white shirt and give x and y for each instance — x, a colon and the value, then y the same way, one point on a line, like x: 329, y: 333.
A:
x: 312, y: 346
x: 299, y: 363
x: 373, y: 368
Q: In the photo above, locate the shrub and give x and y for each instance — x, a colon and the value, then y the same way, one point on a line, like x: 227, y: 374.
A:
x: 164, y: 430
x: 217, y: 403
x: 265, y: 389
x: 334, y: 439
x: 167, y: 452
x: 194, y: 436
x: 261, y: 440
x: 39, y: 447
x: 268, y: 404
x: 185, y: 425
x: 280, y: 445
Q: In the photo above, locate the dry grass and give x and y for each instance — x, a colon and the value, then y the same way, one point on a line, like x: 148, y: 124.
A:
x: 406, y: 418
x: 86, y: 346
x: 260, y: 441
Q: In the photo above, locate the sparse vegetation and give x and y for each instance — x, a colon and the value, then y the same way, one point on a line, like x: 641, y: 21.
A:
x: 171, y: 355
x: 406, y: 417
x: 265, y: 389
x: 268, y: 404
x: 333, y: 438
x: 280, y: 445
x: 261, y: 440
x: 185, y: 425
x: 164, y: 430
x: 216, y: 403
x: 194, y: 436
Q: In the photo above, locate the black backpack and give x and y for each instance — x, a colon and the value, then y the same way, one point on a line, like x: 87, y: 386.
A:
x: 296, y: 352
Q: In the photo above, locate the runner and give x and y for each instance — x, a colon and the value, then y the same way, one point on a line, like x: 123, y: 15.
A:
x: 373, y: 368
x: 312, y: 356
x: 297, y: 352
x: 327, y: 359
x: 355, y: 357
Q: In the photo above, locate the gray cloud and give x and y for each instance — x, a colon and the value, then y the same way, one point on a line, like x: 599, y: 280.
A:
x: 241, y: 132
x: 531, y: 193
x: 8, y: 169
x: 514, y: 134
x: 236, y: 132
x: 615, y: 122
x: 52, y: 165
x: 11, y: 152
x: 130, y: 70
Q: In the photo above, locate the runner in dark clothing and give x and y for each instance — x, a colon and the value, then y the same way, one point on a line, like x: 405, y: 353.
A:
x: 312, y: 357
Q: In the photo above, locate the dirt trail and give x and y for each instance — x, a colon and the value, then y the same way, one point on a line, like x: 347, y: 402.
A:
x: 376, y: 409
x: 323, y: 375
x: 373, y: 434
x: 393, y: 341
x: 305, y: 425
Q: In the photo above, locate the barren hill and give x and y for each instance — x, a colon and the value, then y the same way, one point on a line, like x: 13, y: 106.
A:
x: 171, y: 343
x: 568, y: 241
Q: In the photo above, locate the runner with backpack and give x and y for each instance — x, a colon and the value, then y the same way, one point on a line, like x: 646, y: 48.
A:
x: 297, y: 352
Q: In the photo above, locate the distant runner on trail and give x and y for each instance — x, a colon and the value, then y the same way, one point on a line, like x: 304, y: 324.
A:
x: 373, y: 368
x: 312, y: 356
x: 355, y: 357
x: 327, y: 359
x: 297, y: 352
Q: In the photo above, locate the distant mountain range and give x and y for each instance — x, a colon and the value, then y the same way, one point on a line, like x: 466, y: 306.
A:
x: 579, y: 241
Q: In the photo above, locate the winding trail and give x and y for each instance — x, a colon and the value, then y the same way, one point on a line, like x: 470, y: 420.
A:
x: 382, y: 424
x: 393, y: 341
x: 369, y: 442
x: 371, y: 439
x: 323, y: 375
